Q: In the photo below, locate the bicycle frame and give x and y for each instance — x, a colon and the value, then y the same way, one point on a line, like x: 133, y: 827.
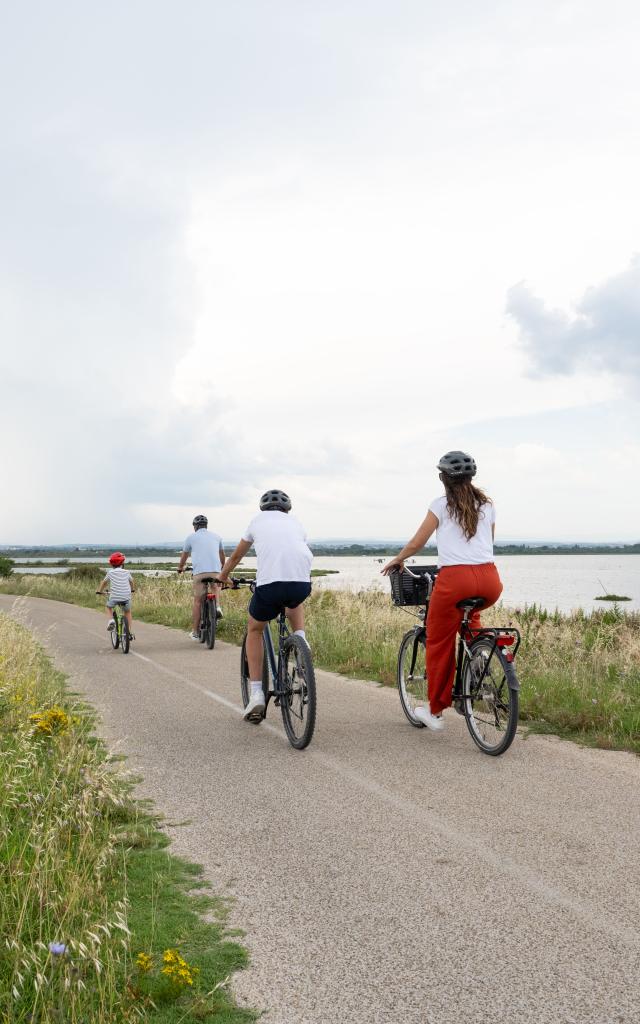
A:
x: 275, y: 662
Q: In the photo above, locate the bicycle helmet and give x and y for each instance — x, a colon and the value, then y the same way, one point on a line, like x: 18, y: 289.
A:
x: 275, y: 501
x: 117, y: 558
x: 200, y: 522
x: 457, y: 465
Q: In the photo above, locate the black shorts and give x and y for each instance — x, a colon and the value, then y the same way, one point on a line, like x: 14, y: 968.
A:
x: 269, y: 600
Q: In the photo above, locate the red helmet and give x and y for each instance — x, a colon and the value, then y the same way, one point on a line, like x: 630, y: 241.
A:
x: 117, y: 558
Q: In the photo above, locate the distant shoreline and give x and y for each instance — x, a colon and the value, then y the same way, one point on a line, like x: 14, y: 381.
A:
x: 320, y: 550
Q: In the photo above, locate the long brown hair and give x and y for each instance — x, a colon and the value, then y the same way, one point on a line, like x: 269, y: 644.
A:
x: 463, y: 502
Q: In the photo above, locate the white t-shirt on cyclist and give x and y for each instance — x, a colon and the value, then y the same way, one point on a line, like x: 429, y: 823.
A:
x: 453, y: 546
x: 120, y: 581
x: 204, y: 547
x: 281, y: 549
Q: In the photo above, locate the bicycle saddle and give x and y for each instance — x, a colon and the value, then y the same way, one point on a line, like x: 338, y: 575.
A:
x: 471, y: 602
x: 207, y: 579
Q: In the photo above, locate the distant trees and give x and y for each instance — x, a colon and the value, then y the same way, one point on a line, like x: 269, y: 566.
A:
x: 6, y: 566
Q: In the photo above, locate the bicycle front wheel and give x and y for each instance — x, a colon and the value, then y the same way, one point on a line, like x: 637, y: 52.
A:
x: 126, y: 638
x: 412, y: 674
x: 489, y: 703
x: 298, y: 699
x: 212, y: 620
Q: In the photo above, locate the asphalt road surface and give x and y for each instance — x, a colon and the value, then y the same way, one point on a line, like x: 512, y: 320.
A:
x: 386, y: 875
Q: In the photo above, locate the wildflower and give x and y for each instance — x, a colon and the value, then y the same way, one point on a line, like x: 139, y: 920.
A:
x: 57, y: 948
x: 144, y: 962
x: 46, y: 723
x: 176, y: 969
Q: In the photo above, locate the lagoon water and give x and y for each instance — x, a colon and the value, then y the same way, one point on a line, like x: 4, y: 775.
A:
x: 564, y: 582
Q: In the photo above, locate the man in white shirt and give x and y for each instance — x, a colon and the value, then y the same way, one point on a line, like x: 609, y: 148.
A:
x: 207, y: 559
x: 283, y: 580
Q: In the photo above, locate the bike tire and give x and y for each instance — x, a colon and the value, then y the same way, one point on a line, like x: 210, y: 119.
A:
x: 412, y: 683
x: 298, y: 701
x: 245, y: 681
x: 126, y: 637
x: 491, y: 706
x: 202, y: 631
x: 212, y: 622
x: 115, y: 635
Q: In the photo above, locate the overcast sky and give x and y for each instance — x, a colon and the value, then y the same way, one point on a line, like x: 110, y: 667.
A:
x: 315, y: 245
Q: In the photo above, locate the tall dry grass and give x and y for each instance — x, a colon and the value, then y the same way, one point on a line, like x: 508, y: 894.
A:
x: 580, y: 673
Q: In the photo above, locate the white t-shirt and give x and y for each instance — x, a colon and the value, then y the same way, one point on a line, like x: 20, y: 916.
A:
x: 453, y: 546
x: 120, y: 581
x: 204, y: 547
x: 280, y: 544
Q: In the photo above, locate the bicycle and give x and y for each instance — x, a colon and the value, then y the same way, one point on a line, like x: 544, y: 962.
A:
x: 120, y: 634
x: 287, y: 676
x: 486, y: 687
x: 208, y: 614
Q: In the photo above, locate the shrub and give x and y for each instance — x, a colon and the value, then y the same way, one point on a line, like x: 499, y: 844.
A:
x: 6, y: 566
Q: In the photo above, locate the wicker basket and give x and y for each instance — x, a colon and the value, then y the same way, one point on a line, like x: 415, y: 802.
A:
x: 406, y: 590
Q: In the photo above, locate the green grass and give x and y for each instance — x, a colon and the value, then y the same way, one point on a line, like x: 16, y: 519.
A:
x: 84, y: 866
x: 580, y: 673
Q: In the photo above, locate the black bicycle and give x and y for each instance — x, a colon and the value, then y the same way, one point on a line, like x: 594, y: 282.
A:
x: 288, y: 676
x: 208, y: 613
x: 486, y: 687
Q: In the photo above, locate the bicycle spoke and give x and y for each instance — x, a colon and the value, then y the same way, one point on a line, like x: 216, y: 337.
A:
x: 490, y: 706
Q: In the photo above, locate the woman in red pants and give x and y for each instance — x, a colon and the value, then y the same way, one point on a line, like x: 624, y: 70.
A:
x: 463, y: 519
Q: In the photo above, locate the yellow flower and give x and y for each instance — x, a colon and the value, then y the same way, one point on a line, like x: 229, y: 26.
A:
x: 176, y: 969
x: 144, y: 962
x: 55, y: 720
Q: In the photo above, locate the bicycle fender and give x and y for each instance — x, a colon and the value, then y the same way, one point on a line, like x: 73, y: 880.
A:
x: 510, y: 673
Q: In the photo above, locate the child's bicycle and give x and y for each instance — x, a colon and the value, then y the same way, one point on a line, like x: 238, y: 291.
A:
x: 287, y: 676
x: 485, y: 689
x: 120, y: 635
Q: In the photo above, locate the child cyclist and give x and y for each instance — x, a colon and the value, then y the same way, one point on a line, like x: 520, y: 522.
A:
x: 283, y: 579
x: 121, y: 587
x: 464, y: 521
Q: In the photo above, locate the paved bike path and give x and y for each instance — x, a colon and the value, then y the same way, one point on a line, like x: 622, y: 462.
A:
x: 385, y: 875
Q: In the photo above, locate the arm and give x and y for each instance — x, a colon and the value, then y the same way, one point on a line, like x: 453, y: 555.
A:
x: 100, y: 589
x: 223, y: 557
x: 231, y: 562
x: 426, y: 529
x: 132, y: 584
x: 183, y: 558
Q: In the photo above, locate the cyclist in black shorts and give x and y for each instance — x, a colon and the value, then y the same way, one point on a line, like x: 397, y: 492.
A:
x: 283, y: 578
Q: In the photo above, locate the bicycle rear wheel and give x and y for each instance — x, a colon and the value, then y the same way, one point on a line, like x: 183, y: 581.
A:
x: 412, y: 674
x: 126, y: 638
x: 298, y: 701
x: 202, y: 632
x: 115, y: 632
x: 245, y: 679
x: 212, y: 620
x: 489, y: 703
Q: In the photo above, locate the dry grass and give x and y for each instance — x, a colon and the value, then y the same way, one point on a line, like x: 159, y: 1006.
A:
x: 580, y: 673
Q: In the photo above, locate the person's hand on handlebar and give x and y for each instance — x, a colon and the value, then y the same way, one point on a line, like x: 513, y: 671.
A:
x: 395, y: 565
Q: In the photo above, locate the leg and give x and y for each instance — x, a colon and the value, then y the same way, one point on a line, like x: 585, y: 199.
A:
x: 255, y: 648
x: 296, y: 617
x: 199, y: 590
x: 129, y: 621
x: 443, y: 620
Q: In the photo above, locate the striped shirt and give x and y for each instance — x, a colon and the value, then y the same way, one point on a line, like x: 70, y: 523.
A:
x: 120, y: 581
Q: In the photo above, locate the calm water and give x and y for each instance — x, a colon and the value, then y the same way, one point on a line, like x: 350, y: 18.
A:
x: 551, y: 581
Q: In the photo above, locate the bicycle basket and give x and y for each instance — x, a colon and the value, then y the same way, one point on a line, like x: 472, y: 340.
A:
x: 407, y: 590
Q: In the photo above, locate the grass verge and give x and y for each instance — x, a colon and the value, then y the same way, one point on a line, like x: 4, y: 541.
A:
x: 580, y: 673
x: 98, y: 921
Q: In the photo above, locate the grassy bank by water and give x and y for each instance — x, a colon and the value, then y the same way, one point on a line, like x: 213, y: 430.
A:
x: 98, y: 922
x: 580, y: 673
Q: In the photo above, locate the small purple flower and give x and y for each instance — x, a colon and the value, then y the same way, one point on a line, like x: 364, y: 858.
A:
x: 57, y: 948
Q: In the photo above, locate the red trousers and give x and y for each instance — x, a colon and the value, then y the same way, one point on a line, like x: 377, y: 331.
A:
x: 453, y: 584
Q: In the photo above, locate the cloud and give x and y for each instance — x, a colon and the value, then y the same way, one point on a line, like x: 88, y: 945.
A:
x: 603, y: 333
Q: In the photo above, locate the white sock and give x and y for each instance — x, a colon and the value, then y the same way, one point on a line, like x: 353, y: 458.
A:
x: 256, y: 689
x: 300, y: 632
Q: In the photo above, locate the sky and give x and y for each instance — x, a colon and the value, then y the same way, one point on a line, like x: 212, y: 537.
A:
x: 315, y: 246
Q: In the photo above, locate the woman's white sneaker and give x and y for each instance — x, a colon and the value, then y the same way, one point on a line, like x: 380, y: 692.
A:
x: 433, y: 722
